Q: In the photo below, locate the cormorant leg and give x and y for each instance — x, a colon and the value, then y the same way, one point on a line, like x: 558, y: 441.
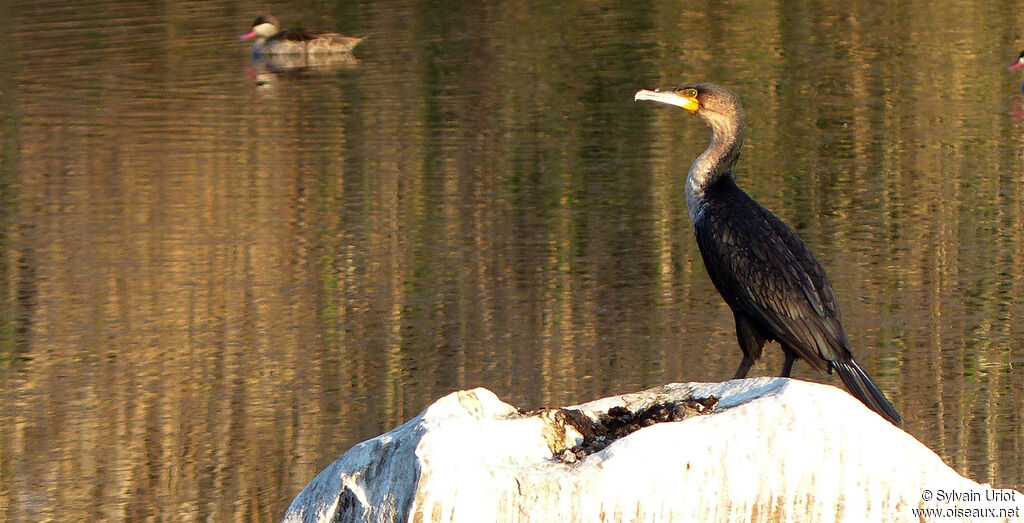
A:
x: 787, y: 366
x: 751, y: 343
x: 745, y: 365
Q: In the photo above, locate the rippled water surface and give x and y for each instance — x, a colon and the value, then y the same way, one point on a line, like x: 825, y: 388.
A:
x: 217, y: 277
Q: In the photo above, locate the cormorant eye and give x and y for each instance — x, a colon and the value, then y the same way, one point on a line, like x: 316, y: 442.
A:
x: 690, y: 93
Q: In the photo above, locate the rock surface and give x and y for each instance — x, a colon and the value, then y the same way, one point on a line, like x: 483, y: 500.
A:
x: 763, y: 449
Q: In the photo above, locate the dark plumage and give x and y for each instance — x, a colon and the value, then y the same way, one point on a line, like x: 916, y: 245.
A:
x: 775, y: 287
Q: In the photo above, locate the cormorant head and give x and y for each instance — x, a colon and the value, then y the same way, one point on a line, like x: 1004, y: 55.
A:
x: 718, y: 107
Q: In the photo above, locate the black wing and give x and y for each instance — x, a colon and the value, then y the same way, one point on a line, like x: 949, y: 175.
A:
x: 762, y: 269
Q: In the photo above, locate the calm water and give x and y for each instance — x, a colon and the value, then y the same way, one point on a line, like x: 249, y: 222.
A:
x: 215, y: 280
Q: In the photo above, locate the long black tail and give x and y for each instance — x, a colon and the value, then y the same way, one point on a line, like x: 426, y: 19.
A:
x: 860, y: 385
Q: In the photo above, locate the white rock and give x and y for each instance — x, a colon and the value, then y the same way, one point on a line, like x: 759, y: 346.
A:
x: 773, y: 449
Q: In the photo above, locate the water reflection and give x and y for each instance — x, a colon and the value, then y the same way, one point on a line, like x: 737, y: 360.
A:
x: 221, y: 289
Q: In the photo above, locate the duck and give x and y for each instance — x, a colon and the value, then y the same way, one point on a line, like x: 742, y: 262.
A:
x: 270, y: 41
x: 1015, y: 65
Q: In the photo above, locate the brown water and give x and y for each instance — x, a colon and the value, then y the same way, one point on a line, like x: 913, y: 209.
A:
x: 214, y: 283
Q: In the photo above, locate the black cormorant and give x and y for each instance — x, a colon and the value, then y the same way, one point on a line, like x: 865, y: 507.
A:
x: 775, y: 287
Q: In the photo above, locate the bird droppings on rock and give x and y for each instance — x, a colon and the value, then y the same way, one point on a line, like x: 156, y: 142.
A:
x: 620, y: 422
x: 471, y: 457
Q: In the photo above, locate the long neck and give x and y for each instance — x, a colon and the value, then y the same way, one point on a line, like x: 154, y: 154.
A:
x: 716, y: 161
